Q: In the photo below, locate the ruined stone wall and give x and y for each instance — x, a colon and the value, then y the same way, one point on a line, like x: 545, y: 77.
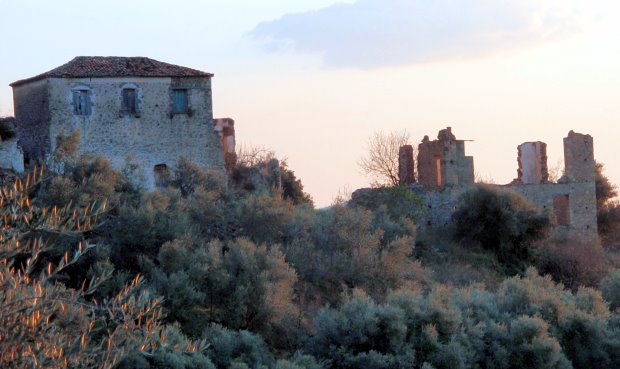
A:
x: 581, y: 214
x: 439, y: 206
x: 445, y: 173
x: 430, y: 154
x: 33, y: 118
x: 11, y: 156
x: 406, y: 165
x: 442, y: 162
x: 579, y: 157
x: 225, y: 128
x: 153, y: 136
x: 532, y: 160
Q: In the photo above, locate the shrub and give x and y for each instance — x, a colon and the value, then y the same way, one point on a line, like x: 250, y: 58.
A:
x: 7, y: 128
x: 237, y: 284
x: 189, y: 176
x: 501, y: 221
x: 292, y: 188
x: 572, y: 262
x: 610, y: 288
x: 344, y: 251
x: 140, y: 230
x: 45, y: 324
x: 397, y: 202
x: 264, y: 218
x: 361, y: 334
x: 608, y: 219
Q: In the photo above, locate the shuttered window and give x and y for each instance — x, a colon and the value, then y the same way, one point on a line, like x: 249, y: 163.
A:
x: 129, y: 101
x: 179, y: 101
x: 81, y: 102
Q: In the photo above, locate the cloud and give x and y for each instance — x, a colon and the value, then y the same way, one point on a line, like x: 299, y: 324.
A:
x: 375, y: 33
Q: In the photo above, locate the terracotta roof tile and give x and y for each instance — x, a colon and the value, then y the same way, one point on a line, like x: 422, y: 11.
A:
x: 115, y: 66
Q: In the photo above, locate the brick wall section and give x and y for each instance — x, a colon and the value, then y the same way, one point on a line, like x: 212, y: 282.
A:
x: 152, y: 137
x: 33, y: 117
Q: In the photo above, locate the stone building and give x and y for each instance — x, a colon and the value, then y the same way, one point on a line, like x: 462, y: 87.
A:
x: 11, y: 156
x: 125, y: 108
x: 445, y: 172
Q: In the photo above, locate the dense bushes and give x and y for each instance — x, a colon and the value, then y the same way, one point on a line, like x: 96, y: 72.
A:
x: 500, y: 221
x: 572, y: 262
x: 529, y: 322
x: 236, y: 284
x: 46, y: 324
x: 262, y: 280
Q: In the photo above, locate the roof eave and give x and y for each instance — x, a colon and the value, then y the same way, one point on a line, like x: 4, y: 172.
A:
x: 43, y: 76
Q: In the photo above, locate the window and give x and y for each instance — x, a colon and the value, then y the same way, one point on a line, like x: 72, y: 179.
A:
x: 179, y: 102
x: 81, y: 102
x: 438, y: 172
x: 129, y: 101
x: 162, y: 175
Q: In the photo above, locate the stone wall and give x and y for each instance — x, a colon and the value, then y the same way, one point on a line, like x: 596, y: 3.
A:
x: 154, y: 136
x: 581, y: 205
x: 579, y: 157
x: 31, y: 104
x: 11, y: 156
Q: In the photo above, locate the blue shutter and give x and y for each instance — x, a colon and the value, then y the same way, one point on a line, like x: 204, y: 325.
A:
x: 81, y: 102
x: 85, y: 102
x: 179, y: 101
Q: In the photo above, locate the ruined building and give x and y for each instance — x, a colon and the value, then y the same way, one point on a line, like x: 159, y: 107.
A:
x: 445, y: 172
x: 125, y: 108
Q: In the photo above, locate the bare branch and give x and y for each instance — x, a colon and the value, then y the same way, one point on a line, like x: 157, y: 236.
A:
x: 381, y: 160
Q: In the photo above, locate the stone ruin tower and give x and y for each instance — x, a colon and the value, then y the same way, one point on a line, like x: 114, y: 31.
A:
x: 442, y: 162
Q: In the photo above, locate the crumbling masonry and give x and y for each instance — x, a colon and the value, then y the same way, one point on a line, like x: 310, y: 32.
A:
x: 445, y: 172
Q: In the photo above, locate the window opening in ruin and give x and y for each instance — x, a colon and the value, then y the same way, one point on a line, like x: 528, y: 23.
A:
x: 129, y: 101
x: 81, y: 102
x: 179, y: 101
x: 438, y: 178
x: 561, y: 209
x: 162, y: 175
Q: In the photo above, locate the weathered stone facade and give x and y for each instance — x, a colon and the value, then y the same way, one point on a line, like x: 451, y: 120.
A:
x: 442, y: 162
x: 136, y: 109
x: 445, y: 173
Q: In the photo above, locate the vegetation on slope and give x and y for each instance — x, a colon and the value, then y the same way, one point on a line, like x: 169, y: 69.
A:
x: 258, y: 278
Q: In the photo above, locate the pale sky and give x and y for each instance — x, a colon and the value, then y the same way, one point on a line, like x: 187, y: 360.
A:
x: 313, y: 80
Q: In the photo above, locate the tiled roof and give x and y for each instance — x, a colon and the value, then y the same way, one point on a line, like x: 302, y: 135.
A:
x: 115, y: 66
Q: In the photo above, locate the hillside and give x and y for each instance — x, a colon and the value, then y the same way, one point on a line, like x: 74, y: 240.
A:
x: 241, y: 272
